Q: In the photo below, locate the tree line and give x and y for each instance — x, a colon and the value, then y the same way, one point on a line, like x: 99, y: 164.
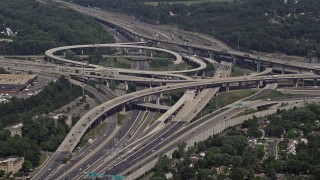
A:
x: 42, y: 26
x: 39, y: 131
x: 241, y: 161
x: 288, y: 26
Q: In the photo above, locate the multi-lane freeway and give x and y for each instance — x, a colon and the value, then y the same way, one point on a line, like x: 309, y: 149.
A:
x: 127, y: 148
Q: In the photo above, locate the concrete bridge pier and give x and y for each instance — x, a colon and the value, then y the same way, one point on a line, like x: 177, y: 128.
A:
x: 296, y: 83
x: 127, y: 87
x: 282, y: 69
x: 234, y: 60
x: 271, y: 65
x: 198, y: 90
x: 315, y: 82
x: 258, y: 84
x: 158, y: 98
x: 227, y: 87
x: 124, y: 108
x: 210, y: 55
x: 258, y: 65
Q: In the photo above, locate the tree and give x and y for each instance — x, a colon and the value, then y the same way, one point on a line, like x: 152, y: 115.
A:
x: 27, y: 165
x: 2, y: 173
x: 237, y: 173
x: 164, y: 164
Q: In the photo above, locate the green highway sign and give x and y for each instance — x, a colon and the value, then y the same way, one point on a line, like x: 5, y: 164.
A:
x: 239, y: 104
x: 117, y: 177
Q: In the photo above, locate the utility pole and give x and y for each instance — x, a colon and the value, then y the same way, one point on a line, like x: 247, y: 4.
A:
x: 83, y: 81
x: 217, y: 100
x: 260, y: 48
x: 238, y: 41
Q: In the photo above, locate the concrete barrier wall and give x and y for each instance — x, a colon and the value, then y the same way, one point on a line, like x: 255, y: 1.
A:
x: 213, y: 131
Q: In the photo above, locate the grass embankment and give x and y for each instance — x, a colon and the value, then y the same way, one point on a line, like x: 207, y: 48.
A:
x: 226, y: 98
x: 167, y: 65
x: 246, y: 112
x: 121, y: 117
x: 274, y: 94
x: 117, y: 62
x: 186, y: 2
x: 155, y: 117
x: 43, y: 157
x: 93, y: 133
x: 237, y: 71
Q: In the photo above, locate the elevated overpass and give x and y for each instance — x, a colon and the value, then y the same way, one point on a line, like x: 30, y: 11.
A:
x: 128, y: 29
x: 78, y: 130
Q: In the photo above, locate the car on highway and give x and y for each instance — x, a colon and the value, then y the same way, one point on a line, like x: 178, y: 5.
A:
x: 247, y: 55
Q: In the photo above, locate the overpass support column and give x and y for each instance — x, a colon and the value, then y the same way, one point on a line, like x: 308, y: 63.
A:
x: 198, y: 90
x: 240, y: 84
x: 234, y: 60
x: 210, y: 54
x: 124, y: 108
x: 315, y: 82
x: 227, y: 87
x: 180, y: 49
x: 296, y: 81
x: 151, y: 54
x: 257, y: 84
x: 150, y: 85
x: 282, y: 69
x: 300, y: 70
x: 107, y: 83
x: 127, y: 87
x: 258, y: 65
x: 158, y: 99
x: 271, y: 65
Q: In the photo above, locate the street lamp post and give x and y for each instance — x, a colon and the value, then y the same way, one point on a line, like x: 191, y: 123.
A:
x: 238, y: 41
x: 217, y: 99
x: 260, y: 48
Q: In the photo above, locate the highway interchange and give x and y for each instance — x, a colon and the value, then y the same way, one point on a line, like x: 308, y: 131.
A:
x: 130, y: 147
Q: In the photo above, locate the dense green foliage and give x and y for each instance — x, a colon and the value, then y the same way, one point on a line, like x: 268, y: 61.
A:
x: 39, y: 132
x: 291, y: 27
x: 44, y: 26
x: 3, y: 71
x: 231, y: 151
x: 53, y: 96
x: 241, y: 161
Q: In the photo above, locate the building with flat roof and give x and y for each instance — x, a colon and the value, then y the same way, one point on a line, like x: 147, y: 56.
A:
x: 11, y: 164
x: 14, y: 83
x: 15, y: 129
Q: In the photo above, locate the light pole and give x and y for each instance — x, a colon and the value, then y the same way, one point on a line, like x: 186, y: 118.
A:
x: 260, y: 48
x: 195, y: 33
x: 238, y: 41
x: 285, y: 53
x: 83, y: 81
x: 217, y: 99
